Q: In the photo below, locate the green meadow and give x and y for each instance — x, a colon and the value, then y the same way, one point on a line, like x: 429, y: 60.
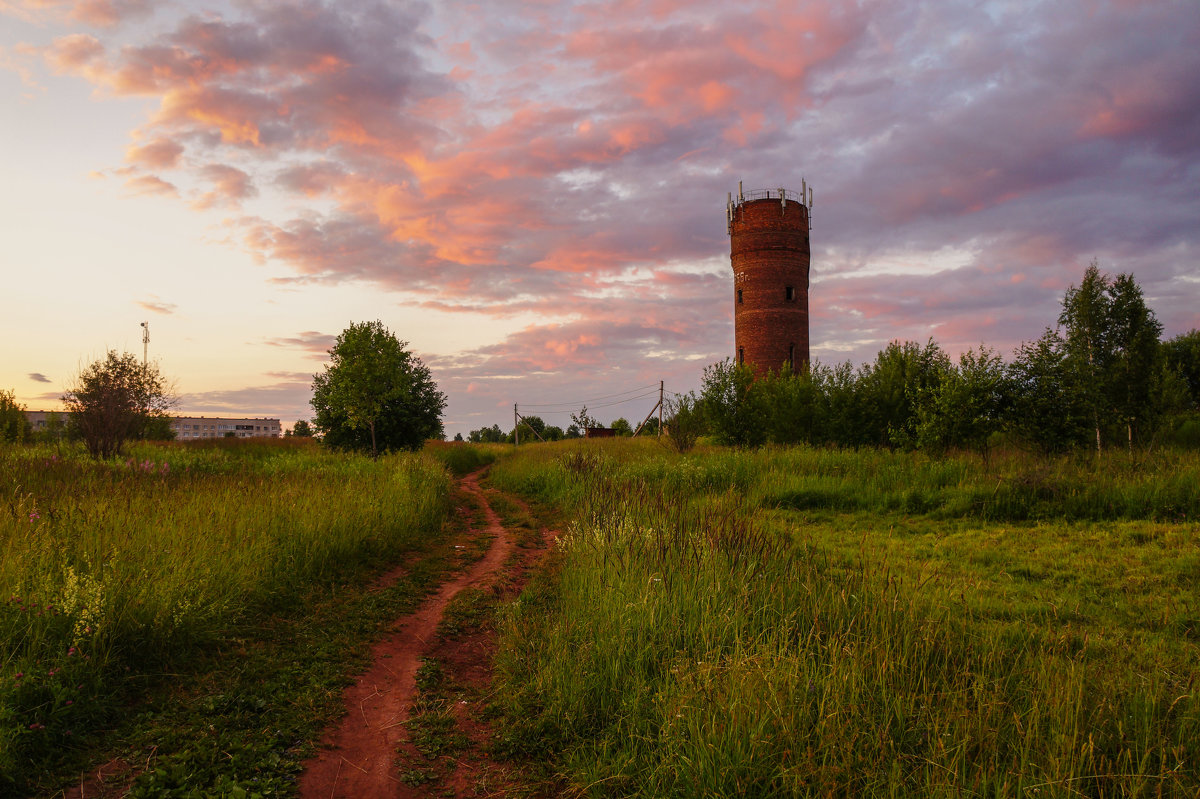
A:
x: 811, y: 622
x: 771, y: 622
x: 123, y: 574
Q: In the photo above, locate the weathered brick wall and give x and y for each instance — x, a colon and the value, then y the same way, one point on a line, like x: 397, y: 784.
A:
x: 769, y: 252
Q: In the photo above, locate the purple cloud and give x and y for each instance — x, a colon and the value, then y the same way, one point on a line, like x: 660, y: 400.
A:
x: 572, y: 161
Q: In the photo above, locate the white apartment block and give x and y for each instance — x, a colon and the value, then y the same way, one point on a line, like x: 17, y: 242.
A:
x: 188, y: 428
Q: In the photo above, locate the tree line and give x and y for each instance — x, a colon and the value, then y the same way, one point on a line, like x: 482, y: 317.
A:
x: 1101, y: 377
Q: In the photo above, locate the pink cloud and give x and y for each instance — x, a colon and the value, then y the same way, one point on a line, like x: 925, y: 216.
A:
x: 572, y: 160
x: 158, y: 306
x: 150, y: 185
x: 97, y: 13
x: 230, y: 186
x: 161, y: 153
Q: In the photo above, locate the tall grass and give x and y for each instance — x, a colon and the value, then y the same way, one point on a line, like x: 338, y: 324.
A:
x: 700, y: 637
x: 111, y: 571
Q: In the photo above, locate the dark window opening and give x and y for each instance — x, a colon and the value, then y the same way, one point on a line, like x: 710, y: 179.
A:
x: 792, y: 356
x: 741, y: 355
x: 791, y: 293
x: 739, y: 295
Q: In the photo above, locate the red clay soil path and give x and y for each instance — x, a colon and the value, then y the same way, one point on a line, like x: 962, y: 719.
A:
x: 358, y: 758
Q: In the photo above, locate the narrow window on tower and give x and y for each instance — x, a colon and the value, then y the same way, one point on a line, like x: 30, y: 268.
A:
x: 741, y: 355
x: 739, y: 296
x: 791, y: 293
x: 792, y: 357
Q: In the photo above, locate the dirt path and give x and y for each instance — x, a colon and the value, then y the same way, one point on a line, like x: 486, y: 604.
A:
x: 359, y: 757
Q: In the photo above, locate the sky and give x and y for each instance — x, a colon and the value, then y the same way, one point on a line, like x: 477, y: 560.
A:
x: 532, y: 194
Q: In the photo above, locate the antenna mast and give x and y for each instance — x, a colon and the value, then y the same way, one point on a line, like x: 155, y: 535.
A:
x: 145, y: 343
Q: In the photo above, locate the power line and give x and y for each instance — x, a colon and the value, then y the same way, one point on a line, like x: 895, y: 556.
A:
x: 570, y: 409
x: 589, y: 402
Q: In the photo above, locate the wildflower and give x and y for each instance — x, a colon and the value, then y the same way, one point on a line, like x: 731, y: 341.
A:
x: 33, y: 514
x: 20, y: 674
x: 70, y: 702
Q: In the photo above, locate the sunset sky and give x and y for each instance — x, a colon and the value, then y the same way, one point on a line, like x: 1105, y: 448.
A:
x: 532, y: 193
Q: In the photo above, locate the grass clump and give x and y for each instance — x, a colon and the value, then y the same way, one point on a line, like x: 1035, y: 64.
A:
x: 115, y: 573
x: 890, y: 637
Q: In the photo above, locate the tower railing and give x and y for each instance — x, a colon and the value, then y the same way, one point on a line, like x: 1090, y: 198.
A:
x: 770, y: 194
x: 804, y: 197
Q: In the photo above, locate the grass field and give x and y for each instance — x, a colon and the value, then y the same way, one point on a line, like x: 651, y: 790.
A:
x: 123, y: 574
x: 798, y: 622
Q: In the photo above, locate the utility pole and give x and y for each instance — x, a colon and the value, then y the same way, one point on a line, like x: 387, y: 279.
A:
x: 660, y: 404
x: 516, y: 427
x: 145, y: 343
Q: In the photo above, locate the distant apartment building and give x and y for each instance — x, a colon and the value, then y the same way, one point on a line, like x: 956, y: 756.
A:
x: 188, y: 428
x: 37, y: 419
x: 192, y: 427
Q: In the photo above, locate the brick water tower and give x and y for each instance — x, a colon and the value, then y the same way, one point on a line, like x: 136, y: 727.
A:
x: 768, y: 247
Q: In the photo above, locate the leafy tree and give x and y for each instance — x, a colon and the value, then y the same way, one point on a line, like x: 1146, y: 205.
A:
x: 847, y: 414
x: 583, y: 420
x: 458, y: 437
x: 684, y: 420
x: 376, y: 395
x: 531, y: 428
x: 1111, y: 338
x: 573, y: 431
x: 795, y: 405
x: 486, y: 435
x: 14, y: 425
x: 1133, y: 336
x: 553, y: 433
x: 734, y: 407
x: 302, y: 429
x: 622, y: 427
x: 966, y: 406
x: 56, y: 428
x: 1182, y: 355
x: 901, y: 372
x: 114, y: 400
x: 1048, y: 410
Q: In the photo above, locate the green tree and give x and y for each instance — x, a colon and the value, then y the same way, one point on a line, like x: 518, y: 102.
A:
x: 1133, y: 337
x: 966, y: 406
x: 302, y: 429
x: 56, y: 428
x: 14, y: 425
x: 375, y: 395
x: 734, y: 407
x: 846, y: 412
x: 1111, y: 338
x: 795, y: 406
x: 889, y: 387
x: 1182, y: 355
x: 117, y: 399
x: 622, y: 427
x: 684, y: 421
x: 486, y: 435
x: 583, y: 420
x: 1049, y: 410
x: 530, y: 428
